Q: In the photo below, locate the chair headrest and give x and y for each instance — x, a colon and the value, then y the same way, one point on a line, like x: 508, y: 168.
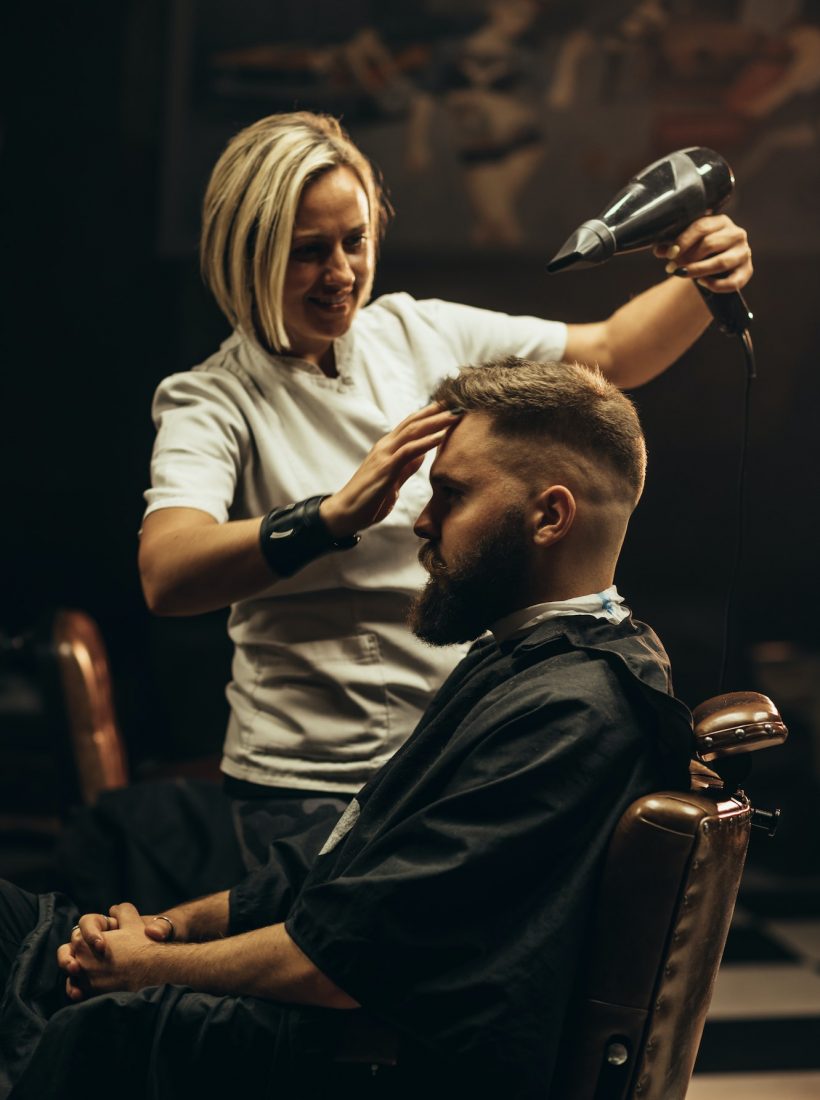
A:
x: 740, y: 722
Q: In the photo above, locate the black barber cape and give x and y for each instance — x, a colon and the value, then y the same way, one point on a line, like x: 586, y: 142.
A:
x: 451, y: 900
x: 456, y: 903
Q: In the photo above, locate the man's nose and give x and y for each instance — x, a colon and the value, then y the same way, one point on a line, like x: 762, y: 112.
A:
x: 425, y: 526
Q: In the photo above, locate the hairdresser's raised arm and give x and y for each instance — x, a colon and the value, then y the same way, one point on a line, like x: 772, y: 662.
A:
x: 189, y: 563
x: 652, y: 331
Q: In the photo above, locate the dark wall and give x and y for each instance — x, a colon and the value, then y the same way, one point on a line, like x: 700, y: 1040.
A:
x: 91, y: 324
x: 94, y: 319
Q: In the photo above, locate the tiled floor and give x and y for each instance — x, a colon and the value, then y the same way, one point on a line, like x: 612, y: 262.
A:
x: 762, y: 1036
x: 755, y: 1086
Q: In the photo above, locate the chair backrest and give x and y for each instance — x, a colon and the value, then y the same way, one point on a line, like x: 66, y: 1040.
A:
x: 97, y: 746
x: 666, y: 900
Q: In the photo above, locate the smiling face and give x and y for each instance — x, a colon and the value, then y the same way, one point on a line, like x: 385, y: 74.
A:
x: 331, y: 264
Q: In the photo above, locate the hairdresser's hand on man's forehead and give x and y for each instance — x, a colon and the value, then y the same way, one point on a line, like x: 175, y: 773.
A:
x: 372, y: 492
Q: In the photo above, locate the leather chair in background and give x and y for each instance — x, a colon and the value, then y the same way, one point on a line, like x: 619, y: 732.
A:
x: 64, y: 663
x: 59, y: 741
x: 97, y: 747
x: 60, y: 744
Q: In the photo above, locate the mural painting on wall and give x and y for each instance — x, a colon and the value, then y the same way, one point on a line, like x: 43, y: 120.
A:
x: 500, y: 124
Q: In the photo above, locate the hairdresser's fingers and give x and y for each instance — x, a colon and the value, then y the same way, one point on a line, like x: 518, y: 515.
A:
x: 412, y: 438
x: 391, y: 495
x: 371, y: 492
x: 712, y: 236
x: 722, y: 272
x: 666, y: 250
x: 710, y: 223
x: 715, y: 250
x: 408, y: 447
x: 420, y: 422
x: 721, y: 280
x: 723, y: 242
x: 407, y: 471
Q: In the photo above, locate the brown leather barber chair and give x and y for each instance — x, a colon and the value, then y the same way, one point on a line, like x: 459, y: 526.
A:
x: 59, y: 741
x: 96, y: 743
x: 667, y: 895
x: 65, y: 658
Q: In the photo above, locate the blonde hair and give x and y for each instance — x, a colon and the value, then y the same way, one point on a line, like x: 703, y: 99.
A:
x: 250, y: 207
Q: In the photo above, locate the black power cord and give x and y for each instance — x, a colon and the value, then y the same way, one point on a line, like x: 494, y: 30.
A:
x: 734, y: 569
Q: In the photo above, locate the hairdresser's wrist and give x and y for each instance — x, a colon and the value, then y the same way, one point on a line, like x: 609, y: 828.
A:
x: 293, y: 536
x: 336, y: 518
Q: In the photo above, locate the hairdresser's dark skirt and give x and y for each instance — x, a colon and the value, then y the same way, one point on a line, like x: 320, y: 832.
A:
x: 157, y: 844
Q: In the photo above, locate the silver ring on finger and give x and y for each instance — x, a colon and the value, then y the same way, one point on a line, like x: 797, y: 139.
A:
x: 172, y: 933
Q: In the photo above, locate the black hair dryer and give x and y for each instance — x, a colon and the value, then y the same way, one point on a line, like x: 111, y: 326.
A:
x: 655, y: 206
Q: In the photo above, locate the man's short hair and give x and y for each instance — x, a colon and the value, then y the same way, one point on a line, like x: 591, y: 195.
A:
x: 250, y: 206
x: 537, y: 409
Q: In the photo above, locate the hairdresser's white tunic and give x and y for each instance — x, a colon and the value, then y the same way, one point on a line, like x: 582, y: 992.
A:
x: 327, y: 680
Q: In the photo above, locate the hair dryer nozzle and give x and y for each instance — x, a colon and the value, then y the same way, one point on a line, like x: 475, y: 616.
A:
x: 654, y: 206
x: 591, y: 243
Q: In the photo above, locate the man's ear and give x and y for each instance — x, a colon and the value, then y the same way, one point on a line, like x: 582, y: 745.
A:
x: 554, y: 511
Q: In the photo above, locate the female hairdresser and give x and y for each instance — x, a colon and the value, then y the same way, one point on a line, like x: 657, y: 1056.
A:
x: 298, y: 406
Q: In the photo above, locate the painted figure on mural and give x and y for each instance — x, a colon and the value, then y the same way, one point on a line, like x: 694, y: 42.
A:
x: 744, y: 81
x: 484, y: 83
x: 480, y: 107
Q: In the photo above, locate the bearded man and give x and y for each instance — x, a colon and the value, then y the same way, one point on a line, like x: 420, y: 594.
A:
x: 451, y: 900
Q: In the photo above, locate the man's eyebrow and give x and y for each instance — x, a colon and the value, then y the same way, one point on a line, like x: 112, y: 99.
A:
x: 448, y: 479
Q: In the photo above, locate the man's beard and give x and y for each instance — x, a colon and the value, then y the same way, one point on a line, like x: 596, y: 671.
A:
x: 458, y: 604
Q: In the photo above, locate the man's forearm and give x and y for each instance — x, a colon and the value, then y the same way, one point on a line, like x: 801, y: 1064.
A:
x: 263, y: 963
x: 201, y: 919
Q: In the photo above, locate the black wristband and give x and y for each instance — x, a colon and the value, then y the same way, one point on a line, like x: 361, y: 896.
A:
x: 293, y: 536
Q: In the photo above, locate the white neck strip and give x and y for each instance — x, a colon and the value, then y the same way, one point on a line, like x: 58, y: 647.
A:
x: 607, y: 605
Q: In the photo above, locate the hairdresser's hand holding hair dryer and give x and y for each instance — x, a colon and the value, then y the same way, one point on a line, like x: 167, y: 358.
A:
x: 280, y: 483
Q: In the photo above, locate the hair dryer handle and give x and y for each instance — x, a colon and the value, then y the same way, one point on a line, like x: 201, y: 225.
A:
x: 730, y: 311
